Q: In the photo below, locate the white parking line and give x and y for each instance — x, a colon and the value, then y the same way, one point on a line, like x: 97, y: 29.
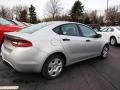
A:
x: 9, y: 87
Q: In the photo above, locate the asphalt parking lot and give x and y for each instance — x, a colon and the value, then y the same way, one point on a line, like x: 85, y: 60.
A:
x: 93, y: 74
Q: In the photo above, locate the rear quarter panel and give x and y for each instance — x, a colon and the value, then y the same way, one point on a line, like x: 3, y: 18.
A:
x: 48, y: 41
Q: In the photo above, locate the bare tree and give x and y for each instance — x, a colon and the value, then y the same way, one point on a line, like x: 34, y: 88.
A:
x: 112, y: 14
x: 93, y: 16
x: 18, y: 9
x: 53, y: 8
x: 5, y: 13
x: 23, y: 16
x: 100, y: 20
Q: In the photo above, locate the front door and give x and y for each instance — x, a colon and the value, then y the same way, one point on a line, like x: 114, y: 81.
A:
x: 72, y: 42
x: 92, y: 44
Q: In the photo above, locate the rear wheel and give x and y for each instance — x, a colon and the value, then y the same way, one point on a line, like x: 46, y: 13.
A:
x: 1, y: 43
x: 53, y: 67
x: 105, y: 51
x: 113, y: 41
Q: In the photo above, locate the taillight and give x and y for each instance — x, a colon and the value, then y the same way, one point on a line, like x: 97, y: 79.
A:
x: 18, y: 42
x: 21, y: 43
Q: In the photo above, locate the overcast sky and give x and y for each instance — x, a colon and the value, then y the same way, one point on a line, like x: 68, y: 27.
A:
x: 66, y: 4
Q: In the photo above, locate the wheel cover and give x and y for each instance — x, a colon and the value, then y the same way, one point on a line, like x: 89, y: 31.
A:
x: 112, y: 41
x: 105, y: 51
x: 55, y: 67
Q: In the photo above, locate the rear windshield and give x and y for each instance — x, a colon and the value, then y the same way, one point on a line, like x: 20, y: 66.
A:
x: 5, y: 22
x: 34, y: 28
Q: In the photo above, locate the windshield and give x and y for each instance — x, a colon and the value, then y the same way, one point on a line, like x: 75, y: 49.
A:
x: 5, y: 22
x: 34, y: 28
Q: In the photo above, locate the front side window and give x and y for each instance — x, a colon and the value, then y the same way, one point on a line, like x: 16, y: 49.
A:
x: 70, y: 30
x: 86, y: 31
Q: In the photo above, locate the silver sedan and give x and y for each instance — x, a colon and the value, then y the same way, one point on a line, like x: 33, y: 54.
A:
x: 50, y: 46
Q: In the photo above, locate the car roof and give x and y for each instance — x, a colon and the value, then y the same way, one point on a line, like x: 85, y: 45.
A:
x: 57, y: 23
x: 111, y: 27
x: 114, y: 26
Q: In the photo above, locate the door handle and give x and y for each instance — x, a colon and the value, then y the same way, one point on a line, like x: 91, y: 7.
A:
x: 66, y: 39
x: 88, y: 40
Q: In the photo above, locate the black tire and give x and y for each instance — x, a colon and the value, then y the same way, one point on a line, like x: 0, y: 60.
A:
x: 1, y: 43
x: 46, y: 69
x: 113, y: 41
x: 105, y: 51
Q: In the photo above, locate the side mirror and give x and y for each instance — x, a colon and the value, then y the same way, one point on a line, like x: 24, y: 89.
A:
x: 98, y: 36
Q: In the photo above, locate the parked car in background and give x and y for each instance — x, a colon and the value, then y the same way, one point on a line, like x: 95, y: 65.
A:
x: 111, y: 34
x: 6, y: 26
x: 50, y: 46
x: 22, y: 24
x: 95, y: 27
x: 26, y: 24
x: 101, y: 28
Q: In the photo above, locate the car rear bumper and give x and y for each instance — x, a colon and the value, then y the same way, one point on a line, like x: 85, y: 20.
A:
x: 23, y: 60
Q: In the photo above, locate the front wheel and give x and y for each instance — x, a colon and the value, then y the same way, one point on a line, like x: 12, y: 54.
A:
x: 53, y: 67
x: 105, y: 51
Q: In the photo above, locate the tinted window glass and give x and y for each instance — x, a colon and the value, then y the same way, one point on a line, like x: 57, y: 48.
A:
x: 57, y: 30
x: 86, y: 31
x: 70, y: 29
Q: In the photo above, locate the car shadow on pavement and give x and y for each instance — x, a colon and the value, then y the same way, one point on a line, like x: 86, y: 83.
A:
x: 36, y: 77
x: 118, y: 45
x: 28, y: 78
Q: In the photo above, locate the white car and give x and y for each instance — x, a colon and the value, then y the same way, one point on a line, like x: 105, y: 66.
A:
x: 111, y: 34
x: 50, y: 46
x: 101, y: 28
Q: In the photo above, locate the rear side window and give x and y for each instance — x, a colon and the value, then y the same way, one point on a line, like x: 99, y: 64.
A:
x: 57, y: 30
x: 70, y: 30
x: 34, y: 28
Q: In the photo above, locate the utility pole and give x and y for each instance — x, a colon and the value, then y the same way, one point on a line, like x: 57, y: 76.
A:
x: 107, y: 12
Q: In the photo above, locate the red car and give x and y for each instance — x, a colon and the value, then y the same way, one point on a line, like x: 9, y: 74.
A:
x: 6, y: 26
